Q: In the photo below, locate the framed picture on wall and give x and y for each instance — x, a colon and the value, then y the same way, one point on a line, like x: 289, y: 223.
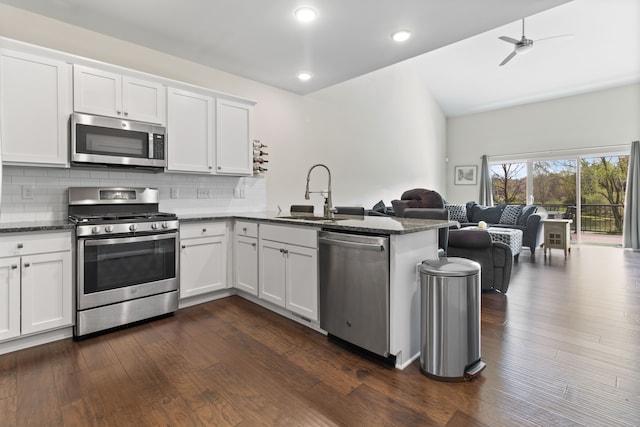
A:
x: 466, y: 175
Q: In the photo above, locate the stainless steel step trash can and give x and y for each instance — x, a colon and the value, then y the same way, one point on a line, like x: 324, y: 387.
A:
x: 450, y: 319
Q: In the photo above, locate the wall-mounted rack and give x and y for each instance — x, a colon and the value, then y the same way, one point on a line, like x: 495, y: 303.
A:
x: 259, y: 157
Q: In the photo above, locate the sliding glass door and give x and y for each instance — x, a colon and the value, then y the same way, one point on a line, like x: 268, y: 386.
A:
x: 602, y: 191
x: 588, y: 190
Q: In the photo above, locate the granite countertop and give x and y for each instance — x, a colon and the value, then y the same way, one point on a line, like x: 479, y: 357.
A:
x: 25, y: 226
x: 348, y: 223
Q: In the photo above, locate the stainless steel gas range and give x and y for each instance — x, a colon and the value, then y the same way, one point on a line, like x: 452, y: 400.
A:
x: 126, y: 257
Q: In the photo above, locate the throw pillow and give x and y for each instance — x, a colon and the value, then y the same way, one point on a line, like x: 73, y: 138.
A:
x: 510, y: 214
x: 527, y: 211
x: 379, y: 207
x: 457, y: 212
x: 488, y: 214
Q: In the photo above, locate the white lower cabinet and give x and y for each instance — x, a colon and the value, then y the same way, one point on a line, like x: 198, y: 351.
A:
x: 9, y: 298
x: 246, y: 257
x: 203, y: 258
x: 288, y: 268
x: 36, y: 285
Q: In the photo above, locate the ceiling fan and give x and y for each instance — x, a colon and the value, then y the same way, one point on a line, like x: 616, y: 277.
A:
x: 523, y: 45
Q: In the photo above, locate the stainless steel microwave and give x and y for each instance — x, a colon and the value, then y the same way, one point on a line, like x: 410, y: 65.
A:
x: 99, y: 140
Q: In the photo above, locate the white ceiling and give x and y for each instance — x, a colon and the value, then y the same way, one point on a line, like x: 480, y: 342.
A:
x: 603, y: 52
x: 261, y: 40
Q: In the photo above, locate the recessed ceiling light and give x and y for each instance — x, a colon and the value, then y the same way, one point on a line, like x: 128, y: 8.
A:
x: 305, y: 14
x: 304, y: 76
x: 401, y: 36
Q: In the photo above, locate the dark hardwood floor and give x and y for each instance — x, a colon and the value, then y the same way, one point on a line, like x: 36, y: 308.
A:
x: 562, y: 348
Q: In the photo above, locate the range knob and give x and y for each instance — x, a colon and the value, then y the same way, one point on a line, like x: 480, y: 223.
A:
x: 133, y: 227
x: 108, y: 228
x: 154, y: 226
x: 165, y: 225
x: 95, y: 230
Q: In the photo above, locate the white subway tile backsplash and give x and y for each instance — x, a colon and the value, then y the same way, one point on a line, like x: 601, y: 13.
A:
x: 50, y: 186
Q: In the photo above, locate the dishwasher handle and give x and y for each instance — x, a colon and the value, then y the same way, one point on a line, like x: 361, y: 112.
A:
x: 352, y: 245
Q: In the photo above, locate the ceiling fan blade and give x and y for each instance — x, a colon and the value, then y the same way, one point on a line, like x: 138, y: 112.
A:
x: 509, y: 39
x: 554, y: 37
x: 508, y: 58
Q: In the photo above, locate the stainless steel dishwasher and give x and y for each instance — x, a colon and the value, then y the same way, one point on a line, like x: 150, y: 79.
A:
x: 354, y: 289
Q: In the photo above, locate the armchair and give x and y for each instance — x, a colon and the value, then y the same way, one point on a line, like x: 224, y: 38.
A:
x: 495, y: 258
x: 417, y: 198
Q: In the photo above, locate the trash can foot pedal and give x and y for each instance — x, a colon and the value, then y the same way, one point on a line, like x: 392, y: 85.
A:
x: 474, y: 370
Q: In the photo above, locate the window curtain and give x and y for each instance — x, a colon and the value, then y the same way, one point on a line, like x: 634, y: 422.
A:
x: 631, y: 224
x: 486, y: 193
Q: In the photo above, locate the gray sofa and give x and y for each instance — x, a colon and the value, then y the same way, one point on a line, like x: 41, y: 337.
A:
x: 527, y: 218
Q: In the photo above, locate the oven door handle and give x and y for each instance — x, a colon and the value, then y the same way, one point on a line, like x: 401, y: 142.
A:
x: 120, y: 240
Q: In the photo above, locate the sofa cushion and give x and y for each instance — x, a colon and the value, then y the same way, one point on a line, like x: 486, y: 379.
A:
x: 512, y: 226
x: 457, y: 212
x: 510, y: 214
x: 527, y: 211
x: 488, y: 214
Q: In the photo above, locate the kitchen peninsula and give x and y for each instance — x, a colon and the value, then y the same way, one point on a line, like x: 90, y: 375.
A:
x: 266, y: 236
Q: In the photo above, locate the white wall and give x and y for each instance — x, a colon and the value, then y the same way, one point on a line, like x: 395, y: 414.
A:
x: 598, y: 119
x: 380, y: 134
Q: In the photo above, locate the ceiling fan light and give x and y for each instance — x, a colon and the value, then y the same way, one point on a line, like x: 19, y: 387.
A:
x: 305, y: 14
x: 524, y: 49
x: 401, y: 36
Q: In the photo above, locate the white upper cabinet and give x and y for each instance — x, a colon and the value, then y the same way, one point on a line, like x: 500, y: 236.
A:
x: 190, y: 132
x: 234, y: 155
x: 35, y: 105
x: 208, y: 135
x: 111, y: 94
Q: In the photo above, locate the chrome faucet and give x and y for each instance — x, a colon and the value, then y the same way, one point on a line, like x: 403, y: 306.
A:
x: 328, y: 207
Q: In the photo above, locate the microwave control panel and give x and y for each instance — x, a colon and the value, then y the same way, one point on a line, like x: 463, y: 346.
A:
x: 158, y: 146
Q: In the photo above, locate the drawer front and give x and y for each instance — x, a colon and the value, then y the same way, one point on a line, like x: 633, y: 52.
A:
x: 306, y: 236
x: 27, y: 244
x: 247, y: 229
x: 203, y: 229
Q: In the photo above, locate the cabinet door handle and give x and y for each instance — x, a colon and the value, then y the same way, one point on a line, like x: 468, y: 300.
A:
x: 27, y: 264
x: 118, y: 112
x: 244, y: 230
x: 204, y: 230
x: 20, y: 246
x: 183, y: 246
x: 13, y: 266
x: 254, y: 245
x: 126, y: 113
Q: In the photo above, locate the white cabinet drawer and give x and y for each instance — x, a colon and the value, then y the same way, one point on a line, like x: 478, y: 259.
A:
x: 292, y: 235
x: 247, y: 229
x: 27, y: 244
x: 202, y: 229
